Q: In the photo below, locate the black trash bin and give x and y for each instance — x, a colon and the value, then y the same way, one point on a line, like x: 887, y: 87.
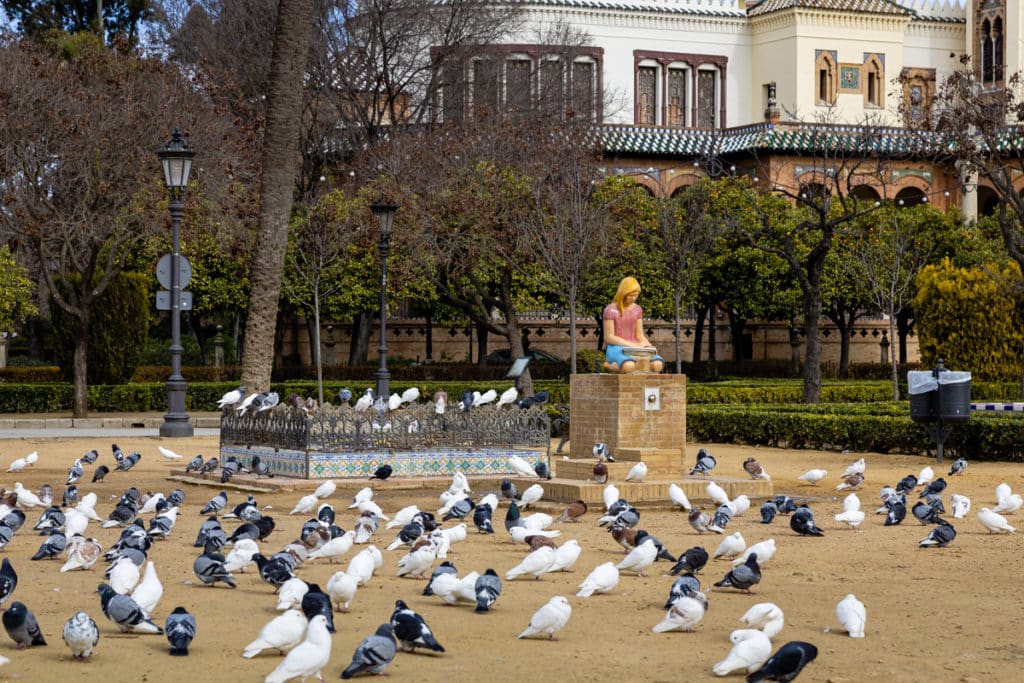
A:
x: 924, y: 396
x: 955, y: 397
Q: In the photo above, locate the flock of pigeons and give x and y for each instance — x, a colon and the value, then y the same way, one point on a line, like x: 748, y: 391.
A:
x: 228, y: 542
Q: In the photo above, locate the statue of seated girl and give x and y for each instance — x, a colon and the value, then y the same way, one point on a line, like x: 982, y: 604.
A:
x: 624, y: 327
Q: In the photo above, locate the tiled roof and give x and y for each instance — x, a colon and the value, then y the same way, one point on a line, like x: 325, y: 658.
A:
x: 806, y: 138
x: 862, y: 6
x: 719, y: 8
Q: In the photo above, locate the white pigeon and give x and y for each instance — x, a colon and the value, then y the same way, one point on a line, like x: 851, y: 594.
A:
x: 685, y: 613
x: 417, y: 563
x: 364, y: 402
x: 751, y: 648
x: 233, y: 396
x: 280, y: 633
x: 519, y: 533
x: 308, y: 657
x: 637, y: 473
x: 290, y: 594
x: 678, y: 496
x: 926, y: 476
x: 1002, y: 491
x: 765, y: 551
x: 325, y: 489
x: 1009, y: 504
x: 86, y: 505
x: 490, y: 499
x: 851, y: 517
x: 852, y: 615
x: 363, y: 565
x: 410, y: 395
x: 394, y: 402
x: 365, y: 493
x: 610, y: 495
x: 149, y: 590
x: 521, y: 467
x: 530, y: 496
x: 168, y: 453
x: 483, y: 399
x: 246, y: 402
x: 17, y: 465
x: 851, y: 502
x: 566, y: 556
x: 457, y: 533
x: 507, y: 397
x: 731, y: 546
x: 371, y: 506
x: 460, y: 484
x: 150, y: 505
x: 854, y: 467
x: 124, y: 575
x: 717, y: 493
x: 305, y: 506
x: 765, y: 616
x: 639, y: 558
x: 550, y: 618
x: 452, y: 589
x: 961, y: 505
x: 26, y: 498
x: 536, y: 563
x: 993, y: 521
x: 403, y: 516
x: 812, y: 477
x: 241, y: 554
x: 602, y: 579
x: 740, y: 504
x: 333, y: 549
x: 341, y: 588
x: 439, y: 539
x: 538, y: 521
x: 32, y: 458
x: 75, y: 522
x: 82, y: 553
x: 465, y: 589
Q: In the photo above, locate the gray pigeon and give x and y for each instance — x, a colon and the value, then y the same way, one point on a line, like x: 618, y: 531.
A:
x: 459, y: 510
x: 411, y: 630
x: 125, y: 612
x: 700, y: 521
x: 75, y: 472
x: 926, y: 514
x: 786, y: 664
x: 373, y: 654
x: 488, y: 588
x: 693, y: 560
x: 687, y: 584
x: 216, y: 503
x: 959, y: 467
x: 705, y: 462
x: 21, y: 626
x: 939, y: 537
x: 743, y: 576
x: 768, y: 512
x: 180, y: 629
x: 81, y: 635
x: 209, y: 568
x: 802, y: 522
x: 53, y: 545
x: 723, y: 515
x: 446, y: 567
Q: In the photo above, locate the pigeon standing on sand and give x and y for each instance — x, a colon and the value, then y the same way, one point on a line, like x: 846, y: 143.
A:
x: 373, y: 654
x: 852, y: 615
x: 802, y: 522
x: 692, y: 560
x: 751, y: 647
x: 786, y: 664
x: 550, y: 618
x: 683, y: 614
x: 813, y: 476
x: 8, y: 580
x: 125, y: 612
x: 81, y: 635
x: 743, y: 576
x: 308, y: 657
x: 180, y: 629
x: 411, y: 630
x: 958, y: 468
x: 940, y: 536
x: 488, y: 588
x: 20, y: 624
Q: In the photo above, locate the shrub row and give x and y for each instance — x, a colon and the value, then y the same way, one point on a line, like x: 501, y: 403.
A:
x: 887, y: 429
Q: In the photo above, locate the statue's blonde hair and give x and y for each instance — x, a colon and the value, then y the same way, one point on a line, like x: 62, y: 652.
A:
x: 626, y: 287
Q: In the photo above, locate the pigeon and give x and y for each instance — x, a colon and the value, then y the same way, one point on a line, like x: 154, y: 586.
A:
x: 365, y: 527
x: 731, y: 546
x: 851, y: 514
x: 855, y: 467
x: 149, y: 590
x: 755, y: 469
x: 334, y: 548
x: 180, y: 629
x: 125, y: 612
x: 765, y: 551
x: 906, y: 484
x: 750, y: 649
x: 17, y: 465
x: 81, y: 635
x: 289, y: 594
x: 784, y: 505
x: 550, y: 618
x: 937, y: 486
x: 897, y: 511
x: 129, y: 461
x: 639, y: 558
x: 266, y: 401
x: 364, y: 402
x: 851, y: 615
x: 851, y: 482
x: 373, y: 654
x: 20, y: 624
x: 195, y: 464
x: 993, y: 521
x: 90, y: 457
x: 249, y: 400
x: 364, y: 564
x: 602, y: 452
x: 705, y: 463
x: 678, y: 496
x: 700, y: 521
x: 417, y: 562
x: 531, y: 495
x: 123, y: 575
x: 440, y: 401
x: 685, y: 585
x: 723, y: 515
x: 786, y: 664
x: 488, y: 588
x: 536, y: 563
x: 813, y: 476
x: 940, y: 536
x: 1007, y: 505
x: 70, y: 497
x: 766, y: 617
x: 961, y: 506
x: 459, y: 509
x: 508, y: 489
x: 82, y: 553
x: 507, y: 397
x: 573, y: 513
x: 216, y: 504
x: 308, y: 657
x: 926, y: 475
x: 602, y: 579
x: 520, y: 467
x: 566, y: 556
x: 53, y: 545
x: 683, y: 614
x: 692, y: 560
x: 411, y: 630
x: 8, y: 580
x: 958, y: 468
x: 231, y: 397
x: 768, y: 511
x: 281, y: 633
x: 743, y: 576
x: 717, y: 493
x: 341, y: 589
x: 315, y: 601
x: 382, y: 472
x: 482, y: 519
x: 925, y: 513
x: 75, y: 473
x: 209, y: 568
x: 802, y: 522
x: 637, y: 473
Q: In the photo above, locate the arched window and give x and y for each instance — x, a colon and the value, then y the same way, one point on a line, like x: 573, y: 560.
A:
x: 910, y: 196
x: 826, y: 72
x: 990, y: 20
x: 874, y: 82
x: 865, y: 193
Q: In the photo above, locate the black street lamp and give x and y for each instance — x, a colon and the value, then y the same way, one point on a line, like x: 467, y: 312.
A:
x: 385, y: 213
x: 176, y: 159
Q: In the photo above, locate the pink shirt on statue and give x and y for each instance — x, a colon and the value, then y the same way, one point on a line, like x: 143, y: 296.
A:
x: 625, y: 323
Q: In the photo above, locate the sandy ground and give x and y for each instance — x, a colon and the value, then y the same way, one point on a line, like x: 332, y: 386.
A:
x: 947, y: 614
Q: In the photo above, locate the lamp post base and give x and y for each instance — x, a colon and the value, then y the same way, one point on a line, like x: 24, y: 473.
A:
x: 175, y: 427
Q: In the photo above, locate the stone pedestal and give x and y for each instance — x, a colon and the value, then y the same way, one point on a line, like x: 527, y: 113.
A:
x: 639, y: 416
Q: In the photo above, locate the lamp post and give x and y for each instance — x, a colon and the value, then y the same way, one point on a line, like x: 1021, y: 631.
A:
x: 385, y: 213
x: 176, y: 159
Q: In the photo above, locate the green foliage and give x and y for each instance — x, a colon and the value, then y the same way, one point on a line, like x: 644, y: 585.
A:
x: 117, y: 332
x: 16, y: 290
x: 969, y: 318
x: 40, y: 19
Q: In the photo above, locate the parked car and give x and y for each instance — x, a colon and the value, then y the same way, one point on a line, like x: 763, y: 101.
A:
x: 504, y: 357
